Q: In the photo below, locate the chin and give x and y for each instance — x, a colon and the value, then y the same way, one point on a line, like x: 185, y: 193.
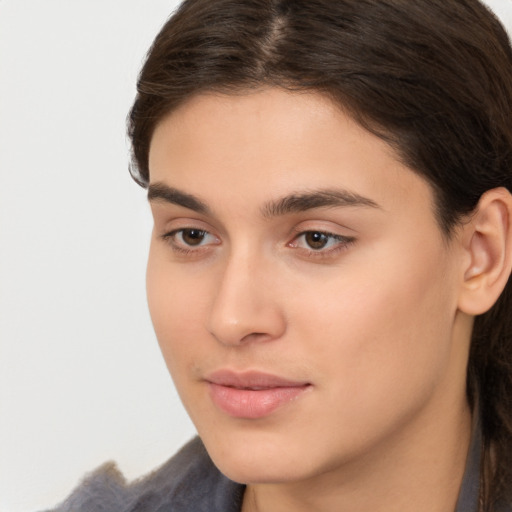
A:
x: 262, y: 470
x: 256, y: 458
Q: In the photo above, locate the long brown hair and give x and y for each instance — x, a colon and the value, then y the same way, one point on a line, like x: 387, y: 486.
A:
x: 431, y: 77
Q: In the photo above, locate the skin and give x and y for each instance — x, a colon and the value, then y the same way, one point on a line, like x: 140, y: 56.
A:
x: 372, y: 321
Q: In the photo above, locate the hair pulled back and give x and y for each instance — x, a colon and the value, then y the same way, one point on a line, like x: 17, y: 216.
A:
x: 431, y: 77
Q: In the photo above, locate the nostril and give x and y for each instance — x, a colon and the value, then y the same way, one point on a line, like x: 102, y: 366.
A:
x: 256, y: 336
x: 232, y: 338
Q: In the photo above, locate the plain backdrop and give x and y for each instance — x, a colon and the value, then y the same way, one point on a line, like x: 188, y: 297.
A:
x: 81, y: 376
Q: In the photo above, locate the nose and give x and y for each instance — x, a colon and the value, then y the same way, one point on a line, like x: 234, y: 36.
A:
x: 246, y: 306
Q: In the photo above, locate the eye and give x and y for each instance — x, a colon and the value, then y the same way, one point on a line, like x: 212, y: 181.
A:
x: 188, y: 239
x: 320, y: 241
x: 192, y: 237
x: 316, y: 240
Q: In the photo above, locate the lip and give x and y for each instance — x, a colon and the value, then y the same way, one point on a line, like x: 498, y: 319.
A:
x: 252, y: 394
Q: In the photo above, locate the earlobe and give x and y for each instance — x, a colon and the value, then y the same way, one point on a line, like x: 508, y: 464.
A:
x: 488, y: 246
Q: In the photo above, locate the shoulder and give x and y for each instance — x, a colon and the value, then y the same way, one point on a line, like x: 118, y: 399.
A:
x: 188, y: 482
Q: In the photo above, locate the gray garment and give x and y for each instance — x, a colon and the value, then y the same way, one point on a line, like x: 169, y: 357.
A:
x: 470, y: 488
x: 189, y: 482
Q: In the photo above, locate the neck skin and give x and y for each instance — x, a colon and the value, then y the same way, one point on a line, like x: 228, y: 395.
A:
x: 419, y: 467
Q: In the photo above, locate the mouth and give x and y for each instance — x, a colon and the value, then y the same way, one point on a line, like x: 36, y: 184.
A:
x: 252, y: 395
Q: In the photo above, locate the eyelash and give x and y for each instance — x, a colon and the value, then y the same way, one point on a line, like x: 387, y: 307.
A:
x: 341, y: 242
x: 170, y: 238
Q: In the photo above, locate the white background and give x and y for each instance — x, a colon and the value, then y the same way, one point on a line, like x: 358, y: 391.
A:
x: 81, y: 377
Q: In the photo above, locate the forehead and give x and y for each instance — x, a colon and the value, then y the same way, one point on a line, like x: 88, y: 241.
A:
x: 268, y: 142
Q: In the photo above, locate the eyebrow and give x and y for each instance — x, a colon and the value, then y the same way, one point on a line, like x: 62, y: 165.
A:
x: 291, y: 203
x: 323, y: 198
x: 159, y: 192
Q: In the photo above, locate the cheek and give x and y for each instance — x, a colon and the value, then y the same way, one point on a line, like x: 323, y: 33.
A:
x: 177, y: 310
x: 381, y: 330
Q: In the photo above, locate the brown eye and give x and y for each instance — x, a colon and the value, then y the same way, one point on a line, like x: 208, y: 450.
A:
x: 193, y: 237
x: 316, y: 240
x: 190, y: 240
x: 321, y: 243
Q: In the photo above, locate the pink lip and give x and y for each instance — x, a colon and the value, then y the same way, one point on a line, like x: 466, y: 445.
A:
x: 252, y: 395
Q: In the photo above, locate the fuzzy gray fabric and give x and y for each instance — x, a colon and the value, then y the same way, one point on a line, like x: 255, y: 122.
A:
x: 188, y: 482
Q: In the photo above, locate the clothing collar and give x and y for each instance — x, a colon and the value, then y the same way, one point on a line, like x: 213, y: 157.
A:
x: 469, y: 494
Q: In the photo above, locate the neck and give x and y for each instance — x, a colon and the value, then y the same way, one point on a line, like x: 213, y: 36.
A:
x: 427, y: 454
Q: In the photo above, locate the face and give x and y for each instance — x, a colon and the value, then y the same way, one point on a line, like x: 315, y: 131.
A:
x: 301, y: 290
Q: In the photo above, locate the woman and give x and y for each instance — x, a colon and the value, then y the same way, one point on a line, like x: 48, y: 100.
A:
x: 330, y: 184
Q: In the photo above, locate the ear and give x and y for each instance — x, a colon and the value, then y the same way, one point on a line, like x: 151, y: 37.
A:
x: 487, y: 241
